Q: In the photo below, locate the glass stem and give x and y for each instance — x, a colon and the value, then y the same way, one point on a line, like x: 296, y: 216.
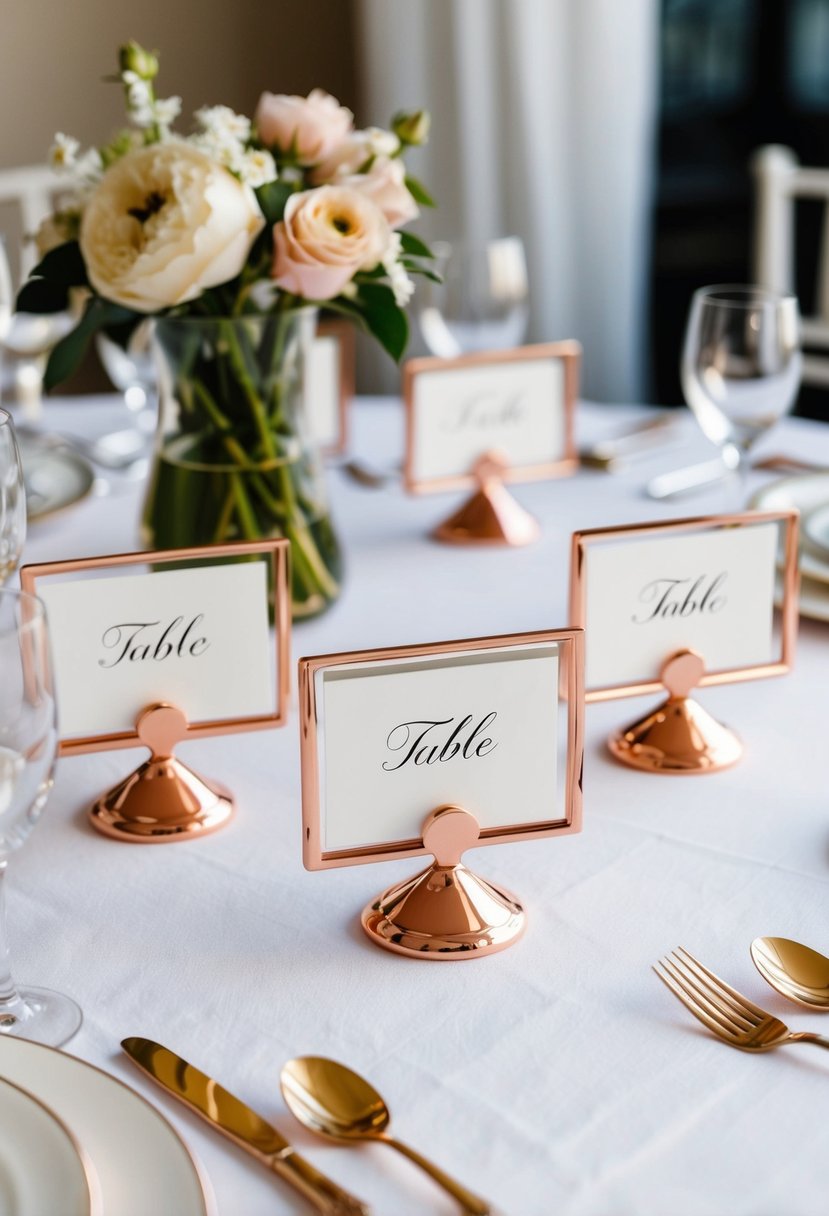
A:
x: 743, y: 471
x: 12, y: 1007
x: 736, y: 459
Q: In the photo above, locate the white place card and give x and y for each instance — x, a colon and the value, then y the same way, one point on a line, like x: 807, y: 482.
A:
x: 395, y: 734
x: 185, y: 627
x: 196, y: 638
x: 644, y: 593
x: 329, y: 384
x: 518, y: 404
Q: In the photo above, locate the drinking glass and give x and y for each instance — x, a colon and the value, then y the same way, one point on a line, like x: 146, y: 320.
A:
x: 6, y: 291
x: 28, y: 746
x: 12, y: 500
x: 28, y: 337
x: 741, y: 365
x: 483, y: 301
x: 131, y: 368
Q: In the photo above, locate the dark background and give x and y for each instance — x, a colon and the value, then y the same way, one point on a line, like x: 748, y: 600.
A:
x: 734, y: 75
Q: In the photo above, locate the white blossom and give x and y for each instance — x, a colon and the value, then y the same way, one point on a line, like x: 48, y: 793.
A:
x: 399, y: 281
x: 64, y: 151
x: 228, y: 153
x: 224, y: 123
x: 255, y: 168
x: 89, y: 167
x: 166, y: 111
x: 140, y: 101
x: 379, y: 142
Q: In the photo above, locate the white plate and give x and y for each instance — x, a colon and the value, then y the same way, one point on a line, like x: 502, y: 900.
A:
x: 814, y: 598
x: 143, y: 1166
x: 31, y: 1134
x: 807, y: 494
x: 816, y: 527
x: 55, y: 475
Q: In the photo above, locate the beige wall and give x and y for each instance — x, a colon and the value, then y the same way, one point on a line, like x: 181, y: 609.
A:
x: 53, y: 54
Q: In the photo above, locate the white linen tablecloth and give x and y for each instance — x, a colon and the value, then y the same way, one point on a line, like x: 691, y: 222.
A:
x: 558, y: 1078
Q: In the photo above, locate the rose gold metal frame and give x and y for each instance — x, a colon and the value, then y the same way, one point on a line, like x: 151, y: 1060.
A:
x: 581, y: 541
x: 278, y: 550
x: 571, y: 692
x: 343, y: 332
x: 568, y: 352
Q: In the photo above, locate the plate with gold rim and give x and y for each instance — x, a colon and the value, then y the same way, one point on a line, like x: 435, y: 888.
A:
x: 142, y: 1164
x: 808, y: 494
x: 30, y: 1135
x: 54, y: 474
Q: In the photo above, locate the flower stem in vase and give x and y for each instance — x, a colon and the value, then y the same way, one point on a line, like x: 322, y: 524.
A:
x: 234, y: 460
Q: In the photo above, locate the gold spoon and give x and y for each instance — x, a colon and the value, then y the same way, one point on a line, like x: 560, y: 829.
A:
x: 798, y: 973
x: 335, y: 1102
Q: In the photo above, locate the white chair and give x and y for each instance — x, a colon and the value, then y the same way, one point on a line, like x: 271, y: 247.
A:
x: 31, y: 190
x: 779, y: 181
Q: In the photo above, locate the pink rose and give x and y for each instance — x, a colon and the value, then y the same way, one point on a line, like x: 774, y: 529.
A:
x: 349, y: 156
x: 325, y: 237
x: 313, y: 126
x: 385, y: 184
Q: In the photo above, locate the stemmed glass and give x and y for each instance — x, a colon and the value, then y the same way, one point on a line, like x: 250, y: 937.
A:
x: 28, y: 337
x: 132, y: 370
x: 482, y: 302
x: 741, y: 365
x: 28, y: 746
x: 12, y: 500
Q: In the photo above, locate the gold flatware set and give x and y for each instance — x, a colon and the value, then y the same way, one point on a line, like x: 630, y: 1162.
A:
x: 338, y: 1104
x: 325, y: 1096
x: 795, y: 971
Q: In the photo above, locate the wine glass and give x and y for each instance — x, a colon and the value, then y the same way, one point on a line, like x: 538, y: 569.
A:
x: 483, y: 301
x: 131, y: 368
x: 12, y: 499
x: 6, y: 291
x: 28, y: 746
x: 741, y: 365
x: 28, y: 337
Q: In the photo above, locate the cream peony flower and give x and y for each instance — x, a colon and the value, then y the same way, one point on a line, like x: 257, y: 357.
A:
x: 164, y: 224
x: 326, y: 236
x: 313, y: 126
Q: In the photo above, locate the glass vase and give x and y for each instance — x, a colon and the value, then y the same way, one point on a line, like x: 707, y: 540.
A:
x: 234, y: 457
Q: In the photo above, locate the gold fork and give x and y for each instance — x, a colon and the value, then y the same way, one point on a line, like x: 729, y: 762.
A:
x: 729, y: 1015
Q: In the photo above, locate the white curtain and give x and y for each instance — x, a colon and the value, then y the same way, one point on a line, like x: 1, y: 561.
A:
x: 543, y: 126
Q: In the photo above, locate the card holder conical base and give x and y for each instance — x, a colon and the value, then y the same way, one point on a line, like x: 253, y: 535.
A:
x: 163, y: 799
x: 679, y: 736
x: 445, y: 912
x: 491, y: 516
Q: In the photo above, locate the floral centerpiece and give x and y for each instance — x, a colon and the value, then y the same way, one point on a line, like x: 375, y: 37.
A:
x: 230, y: 237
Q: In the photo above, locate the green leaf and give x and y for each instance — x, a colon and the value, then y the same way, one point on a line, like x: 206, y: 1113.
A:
x: 366, y: 276
x: 272, y: 198
x: 64, y: 264
x: 413, y: 245
x: 417, y: 268
x: 66, y: 356
x: 419, y: 192
x: 383, y: 318
x: 42, y: 296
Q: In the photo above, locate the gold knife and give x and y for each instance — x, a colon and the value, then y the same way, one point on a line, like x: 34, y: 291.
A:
x: 239, y: 1123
